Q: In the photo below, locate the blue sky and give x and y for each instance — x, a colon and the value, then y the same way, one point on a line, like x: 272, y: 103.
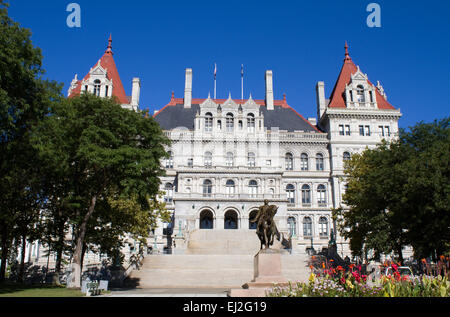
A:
x: 302, y: 42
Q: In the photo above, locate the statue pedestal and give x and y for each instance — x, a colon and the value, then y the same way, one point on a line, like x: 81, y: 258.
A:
x: 267, y: 272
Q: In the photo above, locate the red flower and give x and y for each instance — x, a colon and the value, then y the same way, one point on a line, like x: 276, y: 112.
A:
x: 395, y: 267
x: 340, y: 268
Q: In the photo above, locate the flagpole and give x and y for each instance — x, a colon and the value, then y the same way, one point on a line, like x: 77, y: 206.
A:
x: 215, y: 85
x: 242, y: 82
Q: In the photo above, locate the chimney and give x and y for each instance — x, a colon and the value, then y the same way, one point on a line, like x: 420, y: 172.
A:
x: 135, y: 93
x: 269, y: 90
x: 188, y: 89
x: 320, y: 90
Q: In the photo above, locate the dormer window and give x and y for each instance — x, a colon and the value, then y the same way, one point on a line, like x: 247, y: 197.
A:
x: 251, y: 122
x: 97, y: 85
x: 360, y: 93
x: 230, y: 122
x: 208, y: 122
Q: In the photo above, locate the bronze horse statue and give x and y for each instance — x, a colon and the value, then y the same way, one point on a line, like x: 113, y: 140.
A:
x: 266, y: 228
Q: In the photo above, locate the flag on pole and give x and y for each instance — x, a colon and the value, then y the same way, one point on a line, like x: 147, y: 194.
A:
x: 242, y: 70
x: 215, y: 70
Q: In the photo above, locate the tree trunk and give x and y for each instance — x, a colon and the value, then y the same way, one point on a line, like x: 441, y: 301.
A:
x: 59, y: 254
x: 22, y: 259
x: 75, y: 277
x: 5, y: 250
x: 400, y: 254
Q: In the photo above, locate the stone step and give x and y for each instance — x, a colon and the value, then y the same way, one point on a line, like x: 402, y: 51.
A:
x: 211, y: 271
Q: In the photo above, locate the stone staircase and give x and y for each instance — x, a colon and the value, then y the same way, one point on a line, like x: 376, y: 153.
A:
x: 213, y: 259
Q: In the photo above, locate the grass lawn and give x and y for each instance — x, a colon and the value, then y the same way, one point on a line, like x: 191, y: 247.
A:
x: 18, y: 290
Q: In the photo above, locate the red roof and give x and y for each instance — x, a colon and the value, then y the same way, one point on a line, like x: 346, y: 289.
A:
x: 107, y: 63
x: 348, y: 69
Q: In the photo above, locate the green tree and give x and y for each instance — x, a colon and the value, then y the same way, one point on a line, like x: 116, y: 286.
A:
x: 398, y: 194
x: 24, y: 100
x: 104, y: 151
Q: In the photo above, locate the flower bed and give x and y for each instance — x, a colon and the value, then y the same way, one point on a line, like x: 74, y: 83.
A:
x: 336, y: 282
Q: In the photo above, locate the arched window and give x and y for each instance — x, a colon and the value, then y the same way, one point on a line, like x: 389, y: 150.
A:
x: 231, y: 220
x: 292, y: 226
x: 230, y: 159
x: 208, y: 122
x: 307, y: 227
x: 168, y: 198
x: 319, y: 162
x: 169, y: 160
x: 251, y: 159
x: 360, y: 93
x: 206, y: 219
x: 97, y: 85
x: 289, y: 160
x: 253, y: 188
x: 230, y: 122
x: 251, y: 122
x: 290, y: 191
x: 230, y: 188
x: 346, y: 156
x: 207, y: 188
x: 323, y: 227
x: 304, y: 162
x: 208, y: 159
x: 306, y: 195
x: 321, y: 195
x: 251, y: 217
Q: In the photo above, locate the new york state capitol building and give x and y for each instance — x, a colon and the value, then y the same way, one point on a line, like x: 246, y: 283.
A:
x: 228, y: 155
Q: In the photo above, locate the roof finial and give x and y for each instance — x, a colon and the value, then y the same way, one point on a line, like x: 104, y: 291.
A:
x: 109, y: 49
x: 284, y: 97
x: 173, y: 95
x: 347, y: 55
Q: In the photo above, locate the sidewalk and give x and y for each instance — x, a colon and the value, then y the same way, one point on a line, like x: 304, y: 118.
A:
x: 168, y: 292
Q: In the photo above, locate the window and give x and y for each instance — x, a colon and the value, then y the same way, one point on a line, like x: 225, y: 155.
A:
x: 253, y: 188
x: 346, y: 156
x: 106, y: 91
x: 341, y: 129
x: 360, y: 94
x: 230, y: 159
x: 230, y: 188
x: 321, y: 195
x: 208, y: 122
x: 371, y: 96
x: 290, y: 191
x: 304, y: 165
x: 289, y: 162
x: 388, y: 131
x: 251, y: 161
x: 361, y: 130
x: 206, y: 219
x: 207, y: 188
x: 97, y: 87
x: 319, y: 162
x: 323, y: 227
x: 381, y: 130
x: 231, y: 220
x: 347, y: 130
x: 230, y: 122
x: 269, y: 162
x: 208, y: 159
x: 251, y: 217
x: 307, y: 227
x: 251, y: 122
x: 367, y: 130
x: 190, y: 162
x: 219, y: 124
x: 292, y: 225
x: 169, y: 161
x: 240, y: 125
x: 306, y: 195
x: 168, y: 198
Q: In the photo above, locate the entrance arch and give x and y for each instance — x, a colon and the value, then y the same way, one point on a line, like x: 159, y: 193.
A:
x: 251, y: 217
x: 231, y: 220
x: 206, y: 219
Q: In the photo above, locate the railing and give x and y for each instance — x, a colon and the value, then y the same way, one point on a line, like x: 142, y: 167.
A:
x: 179, y: 196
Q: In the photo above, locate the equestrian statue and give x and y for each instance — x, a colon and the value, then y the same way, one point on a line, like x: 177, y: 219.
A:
x: 266, y: 228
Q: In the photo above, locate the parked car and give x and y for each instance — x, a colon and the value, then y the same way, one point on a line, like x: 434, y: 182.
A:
x: 403, y: 270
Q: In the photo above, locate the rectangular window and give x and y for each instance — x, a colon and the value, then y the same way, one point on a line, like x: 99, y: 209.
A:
x: 347, y: 130
x: 269, y: 162
x: 381, y: 130
x: 190, y: 162
x: 106, y: 91
x: 388, y: 130
x: 361, y: 130
x: 367, y: 130
x: 341, y: 129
